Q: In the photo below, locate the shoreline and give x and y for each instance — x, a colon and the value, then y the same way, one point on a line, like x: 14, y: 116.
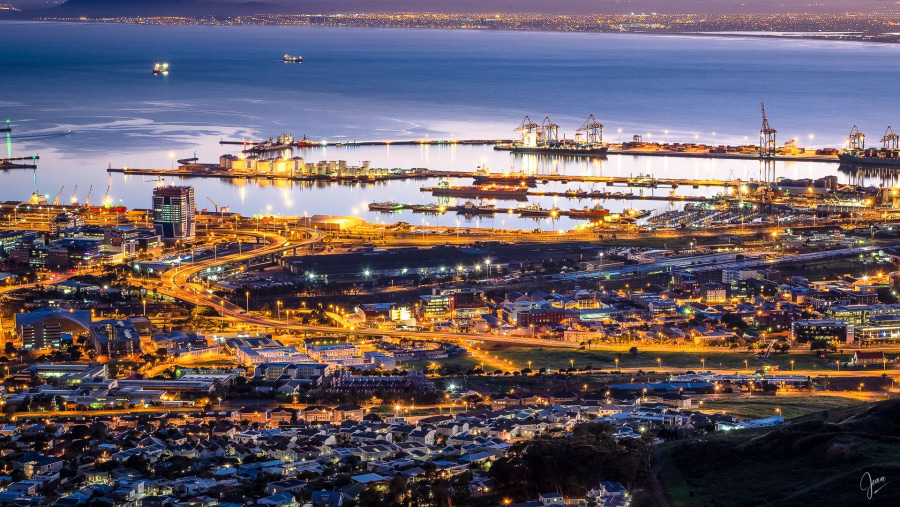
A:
x: 368, y: 20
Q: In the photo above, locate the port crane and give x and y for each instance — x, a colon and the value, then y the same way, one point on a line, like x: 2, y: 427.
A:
x: 106, y: 199
x: 857, y: 139
x: 56, y: 201
x: 528, y: 126
x: 890, y: 140
x: 87, y: 201
x: 766, y: 136
x: 214, y: 203
x: 75, y: 195
x: 549, y: 130
x: 593, y: 130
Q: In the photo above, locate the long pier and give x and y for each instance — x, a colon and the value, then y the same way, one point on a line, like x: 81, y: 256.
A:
x: 645, y: 181
x: 19, y: 162
x: 491, y: 211
x: 640, y: 181
x: 350, y: 144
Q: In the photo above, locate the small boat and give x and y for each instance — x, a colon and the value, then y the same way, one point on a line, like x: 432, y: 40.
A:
x: 389, y: 206
x: 535, y: 210
x: 161, y: 68
x: 470, y: 208
x: 292, y: 59
x: 595, y: 213
x: 431, y: 209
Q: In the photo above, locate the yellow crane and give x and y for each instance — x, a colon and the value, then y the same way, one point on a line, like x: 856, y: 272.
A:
x: 56, y: 202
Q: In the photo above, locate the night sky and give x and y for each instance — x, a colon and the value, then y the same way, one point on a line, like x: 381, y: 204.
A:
x: 556, y: 6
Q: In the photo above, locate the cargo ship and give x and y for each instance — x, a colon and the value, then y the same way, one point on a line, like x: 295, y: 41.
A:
x: 470, y: 208
x: 871, y: 156
x: 596, y: 213
x: 161, y: 68
x: 535, y: 210
x: 515, y: 178
x: 389, y: 206
x: 292, y: 59
x: 509, y: 192
x: 562, y: 148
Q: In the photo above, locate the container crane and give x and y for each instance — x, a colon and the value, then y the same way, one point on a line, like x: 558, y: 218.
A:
x: 890, y: 140
x: 75, y: 195
x: 56, y: 202
x: 87, y: 201
x: 593, y: 130
x: 528, y: 126
x: 549, y: 130
x: 857, y: 139
x: 766, y: 136
x: 214, y: 203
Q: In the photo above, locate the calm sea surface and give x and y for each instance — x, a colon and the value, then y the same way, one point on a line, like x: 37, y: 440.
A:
x: 358, y: 84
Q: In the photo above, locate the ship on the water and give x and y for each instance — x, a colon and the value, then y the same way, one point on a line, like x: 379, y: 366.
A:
x: 282, y: 142
x: 470, y: 208
x: 544, y: 139
x: 444, y: 189
x: 598, y: 212
x: 307, y: 143
x: 292, y: 59
x: 161, y: 68
x: 483, y: 176
x: 535, y: 210
x: 870, y: 157
x: 430, y: 209
x: 388, y: 206
x: 858, y: 154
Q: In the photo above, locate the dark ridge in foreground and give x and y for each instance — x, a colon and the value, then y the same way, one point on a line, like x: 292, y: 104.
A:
x: 819, y: 459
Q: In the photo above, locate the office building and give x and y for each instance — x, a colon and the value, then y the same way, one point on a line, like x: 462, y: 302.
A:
x: 173, y: 213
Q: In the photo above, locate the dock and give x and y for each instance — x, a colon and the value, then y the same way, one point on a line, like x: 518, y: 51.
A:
x: 645, y: 181
x: 19, y: 163
x: 491, y: 211
x: 415, y: 142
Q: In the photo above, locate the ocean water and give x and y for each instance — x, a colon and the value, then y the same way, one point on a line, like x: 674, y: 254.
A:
x: 368, y: 84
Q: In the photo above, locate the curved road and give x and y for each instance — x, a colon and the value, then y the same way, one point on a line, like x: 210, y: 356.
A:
x: 174, y: 283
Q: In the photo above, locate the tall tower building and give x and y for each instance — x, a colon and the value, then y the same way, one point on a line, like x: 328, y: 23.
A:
x: 173, y: 213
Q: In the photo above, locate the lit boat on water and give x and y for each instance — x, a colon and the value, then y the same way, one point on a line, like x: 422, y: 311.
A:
x: 292, y: 59
x: 161, y: 68
x: 595, y: 213
x: 389, y: 206
x: 535, y: 210
x: 470, y: 208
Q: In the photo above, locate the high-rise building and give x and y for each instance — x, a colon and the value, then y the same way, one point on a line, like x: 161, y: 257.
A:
x: 173, y: 213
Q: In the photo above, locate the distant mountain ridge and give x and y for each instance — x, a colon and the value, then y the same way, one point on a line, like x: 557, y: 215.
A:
x: 114, y: 8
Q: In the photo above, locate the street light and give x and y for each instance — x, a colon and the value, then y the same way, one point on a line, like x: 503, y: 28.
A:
x: 703, y: 362
x: 247, y: 294
x: 792, y: 365
x: 745, y: 365
x: 617, y: 364
x: 659, y: 362
x: 861, y: 385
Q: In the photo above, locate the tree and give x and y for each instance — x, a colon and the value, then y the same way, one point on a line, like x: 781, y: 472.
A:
x: 887, y: 296
x: 633, y: 351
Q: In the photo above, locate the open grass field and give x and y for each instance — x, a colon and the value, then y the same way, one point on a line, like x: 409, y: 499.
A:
x: 757, y: 407
x: 671, y: 359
